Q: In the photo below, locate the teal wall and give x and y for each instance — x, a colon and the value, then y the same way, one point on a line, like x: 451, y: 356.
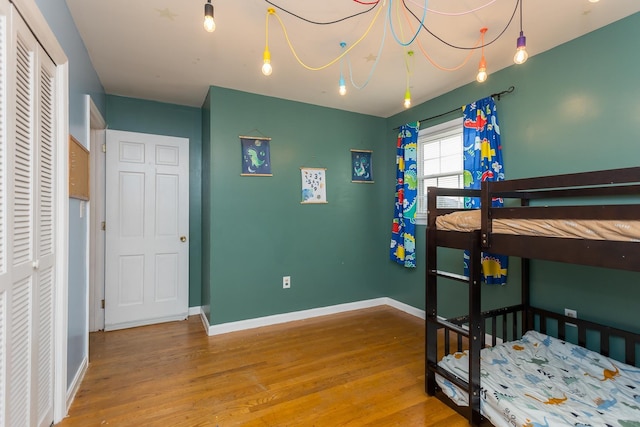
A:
x: 83, y: 81
x: 575, y: 108
x: 135, y: 115
x: 259, y: 230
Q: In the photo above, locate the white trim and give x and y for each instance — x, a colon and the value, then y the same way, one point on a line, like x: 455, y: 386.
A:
x: 407, y: 308
x: 449, y: 124
x: 275, y: 319
x: 77, y: 381
x: 62, y: 247
x: 95, y: 117
x: 40, y: 28
x: 205, y: 321
x: 194, y: 311
x: 96, y: 138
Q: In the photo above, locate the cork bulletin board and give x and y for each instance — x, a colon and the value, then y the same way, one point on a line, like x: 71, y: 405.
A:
x: 78, y: 170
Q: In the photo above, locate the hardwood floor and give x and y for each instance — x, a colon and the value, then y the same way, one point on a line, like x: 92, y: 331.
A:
x: 362, y: 368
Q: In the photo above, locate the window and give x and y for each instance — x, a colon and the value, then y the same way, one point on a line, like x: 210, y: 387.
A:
x: 440, y: 164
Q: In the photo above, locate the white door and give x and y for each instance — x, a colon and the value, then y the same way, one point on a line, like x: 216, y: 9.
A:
x: 147, y: 225
x: 27, y: 221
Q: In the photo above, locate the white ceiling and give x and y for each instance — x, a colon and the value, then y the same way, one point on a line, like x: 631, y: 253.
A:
x: 158, y: 49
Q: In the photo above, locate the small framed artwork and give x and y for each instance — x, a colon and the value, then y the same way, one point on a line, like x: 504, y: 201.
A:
x: 314, y: 185
x: 256, y: 156
x: 361, y: 170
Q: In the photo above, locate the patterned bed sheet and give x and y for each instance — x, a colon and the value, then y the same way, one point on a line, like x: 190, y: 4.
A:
x: 614, y: 230
x: 543, y: 381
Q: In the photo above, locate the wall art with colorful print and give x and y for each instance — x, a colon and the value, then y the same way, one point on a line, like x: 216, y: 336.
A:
x: 361, y: 166
x: 314, y: 185
x: 256, y: 156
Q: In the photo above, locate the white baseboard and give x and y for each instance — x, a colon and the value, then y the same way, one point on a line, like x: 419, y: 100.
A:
x: 75, y: 384
x: 258, y: 322
x: 242, y: 325
x: 205, y: 321
x: 406, y: 308
x: 194, y: 311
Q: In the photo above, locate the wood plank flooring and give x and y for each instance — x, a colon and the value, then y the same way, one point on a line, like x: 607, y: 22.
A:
x: 361, y: 368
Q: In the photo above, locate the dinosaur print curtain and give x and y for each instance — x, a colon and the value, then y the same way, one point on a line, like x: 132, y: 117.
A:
x: 403, y: 236
x: 483, y: 162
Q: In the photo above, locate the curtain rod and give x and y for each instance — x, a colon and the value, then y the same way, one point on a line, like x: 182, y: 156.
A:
x: 493, y: 95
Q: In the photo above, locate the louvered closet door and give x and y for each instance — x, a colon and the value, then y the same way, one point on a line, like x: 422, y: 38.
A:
x: 43, y: 349
x: 27, y: 285
x: 6, y: 281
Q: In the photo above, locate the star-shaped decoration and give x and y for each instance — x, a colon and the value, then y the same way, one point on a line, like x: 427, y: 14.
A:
x: 166, y: 13
x: 371, y: 57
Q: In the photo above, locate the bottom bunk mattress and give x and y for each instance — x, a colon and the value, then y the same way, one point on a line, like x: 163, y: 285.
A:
x: 543, y: 381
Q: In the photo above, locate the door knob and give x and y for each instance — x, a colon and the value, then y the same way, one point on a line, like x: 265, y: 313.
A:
x: 183, y: 238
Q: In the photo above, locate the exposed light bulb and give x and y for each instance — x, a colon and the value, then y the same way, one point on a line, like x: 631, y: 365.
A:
x: 266, y: 57
x: 343, y: 88
x: 482, y: 71
x: 521, y: 44
x: 209, y: 23
x: 266, y: 66
x: 521, y: 50
x: 407, y: 99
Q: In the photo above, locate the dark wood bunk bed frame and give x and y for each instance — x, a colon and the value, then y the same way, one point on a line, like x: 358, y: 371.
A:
x: 511, y: 322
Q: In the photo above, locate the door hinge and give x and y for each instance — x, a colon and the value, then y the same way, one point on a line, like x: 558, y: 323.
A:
x: 103, y: 225
x: 102, y: 304
x: 104, y: 148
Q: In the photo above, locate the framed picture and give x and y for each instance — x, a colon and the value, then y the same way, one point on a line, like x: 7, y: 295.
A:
x: 256, y: 156
x: 361, y: 166
x: 314, y: 185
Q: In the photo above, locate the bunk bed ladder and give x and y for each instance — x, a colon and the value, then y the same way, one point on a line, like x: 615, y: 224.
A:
x: 473, y: 331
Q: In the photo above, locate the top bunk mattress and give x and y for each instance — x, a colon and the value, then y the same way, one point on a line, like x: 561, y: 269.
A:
x: 611, y: 230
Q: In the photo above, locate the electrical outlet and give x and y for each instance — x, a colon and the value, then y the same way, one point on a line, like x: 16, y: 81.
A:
x: 571, y: 313
x: 286, y: 282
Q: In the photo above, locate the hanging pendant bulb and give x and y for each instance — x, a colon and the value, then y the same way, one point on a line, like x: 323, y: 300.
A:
x: 209, y: 23
x: 342, y: 88
x: 521, y: 45
x: 266, y: 56
x: 266, y: 63
x: 408, y: 65
x: 482, y: 71
x: 482, y: 75
x: 521, y: 50
x: 407, y: 99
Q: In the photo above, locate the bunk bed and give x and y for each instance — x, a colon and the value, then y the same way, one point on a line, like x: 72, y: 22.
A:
x: 605, y: 205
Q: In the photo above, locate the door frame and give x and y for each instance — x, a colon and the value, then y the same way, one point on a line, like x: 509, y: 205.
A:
x: 97, y: 138
x: 40, y: 28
